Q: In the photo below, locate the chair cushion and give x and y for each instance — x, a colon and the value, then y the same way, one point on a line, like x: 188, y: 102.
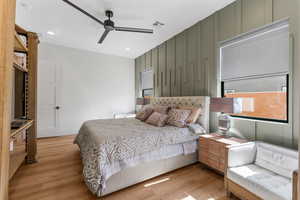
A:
x: 279, y: 160
x: 262, y: 182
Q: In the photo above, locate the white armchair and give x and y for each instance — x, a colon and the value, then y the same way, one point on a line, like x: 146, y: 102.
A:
x: 257, y: 171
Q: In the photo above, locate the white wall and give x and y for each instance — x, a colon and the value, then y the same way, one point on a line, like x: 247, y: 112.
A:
x: 89, y: 86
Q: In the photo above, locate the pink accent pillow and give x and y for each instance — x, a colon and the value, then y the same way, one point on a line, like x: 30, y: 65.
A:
x: 144, y: 114
x: 161, y: 109
x: 178, y: 117
x: 195, y: 113
x: 157, y: 119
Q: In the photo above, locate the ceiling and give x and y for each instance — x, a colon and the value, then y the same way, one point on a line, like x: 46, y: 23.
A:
x: 73, y: 29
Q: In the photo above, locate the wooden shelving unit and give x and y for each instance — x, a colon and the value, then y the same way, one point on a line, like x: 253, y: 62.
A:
x: 19, y: 67
x: 23, y: 131
x: 19, y: 44
x: 27, y: 124
x: 15, y: 162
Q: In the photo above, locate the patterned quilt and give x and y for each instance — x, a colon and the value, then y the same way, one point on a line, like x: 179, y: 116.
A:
x: 103, y: 142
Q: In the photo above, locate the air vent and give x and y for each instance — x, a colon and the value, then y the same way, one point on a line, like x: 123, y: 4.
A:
x: 158, y: 24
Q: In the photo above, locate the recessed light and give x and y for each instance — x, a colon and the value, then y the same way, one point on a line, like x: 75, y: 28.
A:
x: 127, y: 49
x: 50, y: 33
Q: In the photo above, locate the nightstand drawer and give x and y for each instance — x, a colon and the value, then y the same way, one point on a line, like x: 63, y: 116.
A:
x: 214, y: 147
x: 203, y: 143
x: 213, y: 163
x: 213, y: 156
x: 203, y: 157
x: 223, y: 152
x: 222, y: 167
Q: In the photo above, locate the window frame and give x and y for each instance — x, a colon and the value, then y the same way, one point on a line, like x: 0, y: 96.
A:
x: 260, y: 118
x: 148, y: 89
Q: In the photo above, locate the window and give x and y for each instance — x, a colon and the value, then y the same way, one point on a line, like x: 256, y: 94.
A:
x: 148, y: 93
x: 147, y: 79
x: 255, y: 67
x: 263, y: 98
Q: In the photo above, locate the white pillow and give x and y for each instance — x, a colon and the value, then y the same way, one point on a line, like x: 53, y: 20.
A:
x: 197, y: 129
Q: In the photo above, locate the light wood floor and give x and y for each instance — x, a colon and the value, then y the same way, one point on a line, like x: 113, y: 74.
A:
x: 57, y: 176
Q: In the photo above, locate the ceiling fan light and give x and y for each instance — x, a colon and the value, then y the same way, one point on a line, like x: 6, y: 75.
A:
x: 50, y: 33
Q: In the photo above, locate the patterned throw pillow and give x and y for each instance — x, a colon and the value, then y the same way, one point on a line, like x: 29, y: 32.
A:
x: 157, y: 119
x: 144, y: 114
x: 195, y: 113
x: 178, y: 117
x: 161, y: 109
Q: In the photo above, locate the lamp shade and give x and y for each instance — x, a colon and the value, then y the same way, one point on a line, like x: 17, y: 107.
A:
x: 226, y: 105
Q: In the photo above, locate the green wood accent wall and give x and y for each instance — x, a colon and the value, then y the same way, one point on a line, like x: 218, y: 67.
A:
x: 138, y: 70
x: 230, y: 20
x: 171, y: 68
x: 256, y: 13
x: 143, y: 63
x: 148, y: 61
x: 162, y: 70
x: 180, y: 61
x: 187, y: 64
x: 154, y: 62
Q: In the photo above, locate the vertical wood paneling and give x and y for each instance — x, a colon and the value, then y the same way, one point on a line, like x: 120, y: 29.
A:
x: 230, y: 20
x: 282, y: 9
x: 148, y: 61
x: 162, y: 69
x: 198, y: 72
x: 196, y: 60
x: 143, y: 63
x: 154, y: 62
x: 207, y: 55
x: 138, y: 70
x: 180, y: 61
x: 171, y: 79
x: 256, y: 13
x: 191, y: 60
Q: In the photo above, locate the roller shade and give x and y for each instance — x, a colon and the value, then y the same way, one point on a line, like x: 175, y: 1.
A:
x: 147, y: 79
x: 261, y: 52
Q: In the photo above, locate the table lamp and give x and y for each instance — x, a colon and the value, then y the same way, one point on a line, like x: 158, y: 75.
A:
x: 225, y: 106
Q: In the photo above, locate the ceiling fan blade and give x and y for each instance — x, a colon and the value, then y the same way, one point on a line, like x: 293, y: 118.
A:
x: 83, y: 11
x: 103, y: 36
x: 138, y: 30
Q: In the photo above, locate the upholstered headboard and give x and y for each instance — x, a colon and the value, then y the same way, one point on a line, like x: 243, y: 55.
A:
x: 197, y: 101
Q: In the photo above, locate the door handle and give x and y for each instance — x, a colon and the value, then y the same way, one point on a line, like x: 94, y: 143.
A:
x: 57, y: 107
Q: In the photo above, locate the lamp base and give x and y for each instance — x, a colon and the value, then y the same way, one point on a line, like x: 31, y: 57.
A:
x: 224, y: 124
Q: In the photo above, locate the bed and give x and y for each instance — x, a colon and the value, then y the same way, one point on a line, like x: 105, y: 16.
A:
x: 117, y: 153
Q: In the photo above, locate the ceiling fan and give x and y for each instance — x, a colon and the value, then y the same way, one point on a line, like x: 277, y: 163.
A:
x: 108, y: 24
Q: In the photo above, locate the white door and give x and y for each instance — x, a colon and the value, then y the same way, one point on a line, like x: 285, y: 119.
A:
x: 48, y: 99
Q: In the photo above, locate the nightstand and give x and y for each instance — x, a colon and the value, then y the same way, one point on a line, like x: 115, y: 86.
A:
x: 212, y: 150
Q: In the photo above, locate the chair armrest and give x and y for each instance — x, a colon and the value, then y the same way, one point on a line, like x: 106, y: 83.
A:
x: 295, y: 185
x: 242, y: 154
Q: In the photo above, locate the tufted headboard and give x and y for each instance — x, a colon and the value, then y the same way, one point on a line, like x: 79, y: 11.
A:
x: 197, y: 101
